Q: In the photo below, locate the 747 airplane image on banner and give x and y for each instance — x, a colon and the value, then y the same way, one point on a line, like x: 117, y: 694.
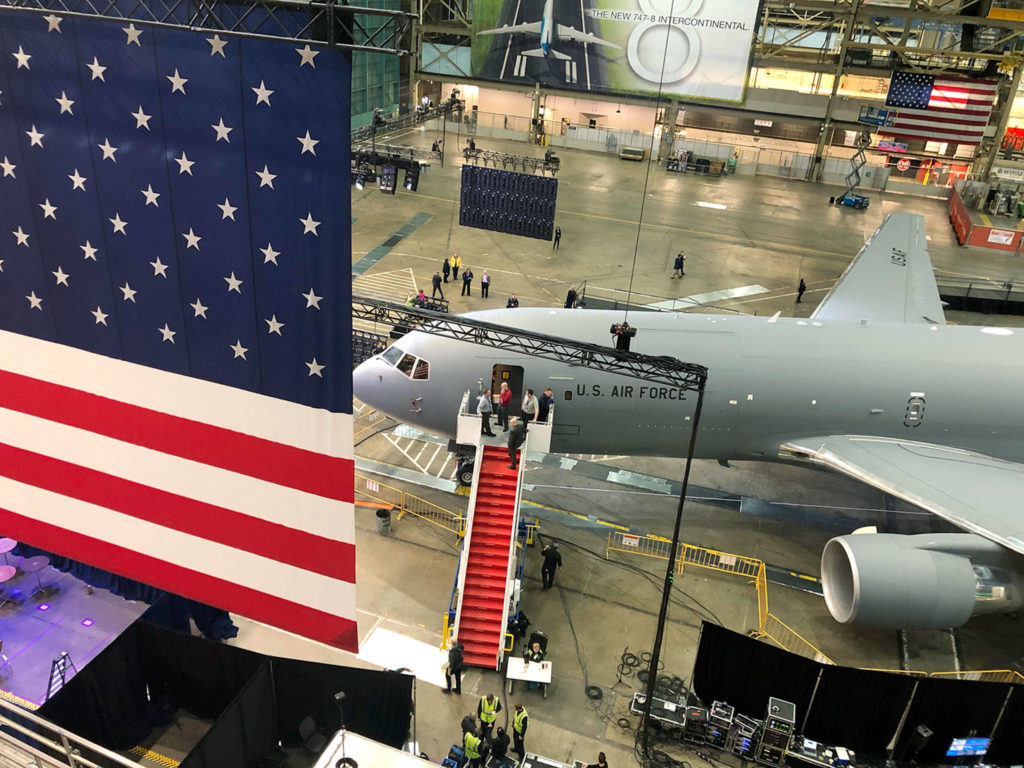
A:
x: 549, y: 33
x: 874, y: 385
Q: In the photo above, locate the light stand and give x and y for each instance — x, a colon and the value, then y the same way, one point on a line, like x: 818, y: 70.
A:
x: 339, y: 700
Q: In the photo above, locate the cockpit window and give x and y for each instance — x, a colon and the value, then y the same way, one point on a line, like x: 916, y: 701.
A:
x: 391, y: 355
x: 405, y: 365
x: 421, y: 371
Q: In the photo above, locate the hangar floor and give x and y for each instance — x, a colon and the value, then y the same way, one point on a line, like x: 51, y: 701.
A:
x: 748, y: 241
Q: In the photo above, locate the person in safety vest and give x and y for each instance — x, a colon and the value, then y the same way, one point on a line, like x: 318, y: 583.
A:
x: 519, y: 723
x: 474, y: 746
x: 487, y: 710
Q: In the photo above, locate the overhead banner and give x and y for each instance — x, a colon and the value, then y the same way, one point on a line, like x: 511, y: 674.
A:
x: 690, y: 49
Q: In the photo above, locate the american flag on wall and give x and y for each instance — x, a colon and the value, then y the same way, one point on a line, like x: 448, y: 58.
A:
x: 934, y: 108
x: 175, y: 343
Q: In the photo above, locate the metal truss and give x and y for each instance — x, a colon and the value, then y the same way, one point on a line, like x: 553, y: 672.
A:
x: 381, y: 153
x: 382, y: 126
x: 333, y: 23
x: 515, y: 162
x: 658, y: 370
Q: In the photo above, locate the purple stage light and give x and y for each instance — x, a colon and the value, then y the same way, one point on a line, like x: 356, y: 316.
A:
x: 87, y: 622
x: 43, y: 607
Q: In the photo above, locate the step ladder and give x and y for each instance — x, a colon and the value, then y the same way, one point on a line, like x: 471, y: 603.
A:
x: 857, y: 162
x: 59, y: 673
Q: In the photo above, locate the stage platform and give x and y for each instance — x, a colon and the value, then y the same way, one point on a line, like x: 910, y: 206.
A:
x: 68, y: 617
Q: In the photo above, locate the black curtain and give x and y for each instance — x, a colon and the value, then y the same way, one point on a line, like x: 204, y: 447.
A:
x: 378, y: 705
x: 1008, y: 741
x: 106, y: 701
x: 193, y: 673
x: 951, y: 709
x: 746, y: 672
x: 245, y: 732
x: 857, y: 708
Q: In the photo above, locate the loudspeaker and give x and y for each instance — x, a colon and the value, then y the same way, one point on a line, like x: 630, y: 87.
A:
x: 918, y: 740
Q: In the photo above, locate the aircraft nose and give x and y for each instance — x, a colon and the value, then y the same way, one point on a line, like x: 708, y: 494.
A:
x: 368, y: 383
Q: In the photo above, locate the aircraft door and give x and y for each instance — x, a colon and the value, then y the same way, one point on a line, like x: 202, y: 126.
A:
x: 513, y: 376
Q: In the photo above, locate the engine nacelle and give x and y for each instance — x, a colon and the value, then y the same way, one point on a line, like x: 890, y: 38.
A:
x: 927, y: 581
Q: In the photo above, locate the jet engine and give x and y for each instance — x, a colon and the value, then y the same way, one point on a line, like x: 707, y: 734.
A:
x: 926, y: 581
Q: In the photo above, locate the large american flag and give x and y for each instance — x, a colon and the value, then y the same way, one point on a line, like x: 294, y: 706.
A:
x: 175, y: 363
x: 931, y: 108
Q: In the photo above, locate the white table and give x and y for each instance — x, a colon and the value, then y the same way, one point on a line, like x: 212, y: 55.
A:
x: 531, y: 672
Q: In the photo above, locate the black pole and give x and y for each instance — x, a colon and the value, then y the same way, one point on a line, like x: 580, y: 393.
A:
x: 652, y: 671
x: 444, y: 133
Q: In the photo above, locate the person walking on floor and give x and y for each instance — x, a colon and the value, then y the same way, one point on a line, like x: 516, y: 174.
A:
x: 436, y: 282
x: 571, y: 297
x: 516, y: 437
x: 520, y: 721
x: 446, y: 269
x: 487, y: 710
x: 456, y: 266
x: 467, y: 282
x: 454, y: 669
x: 800, y: 290
x: 679, y: 264
x: 504, y: 400
x: 485, y: 283
x: 558, y: 237
x: 484, y: 408
x: 552, y: 559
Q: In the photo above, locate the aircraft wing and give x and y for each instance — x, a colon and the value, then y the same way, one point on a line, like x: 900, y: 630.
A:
x: 975, y: 492
x: 571, y: 33
x: 890, y: 280
x: 534, y: 28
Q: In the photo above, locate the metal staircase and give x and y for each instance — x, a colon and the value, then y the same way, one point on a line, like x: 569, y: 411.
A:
x: 857, y: 162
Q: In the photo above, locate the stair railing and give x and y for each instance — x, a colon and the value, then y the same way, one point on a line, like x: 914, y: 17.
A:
x: 470, y: 507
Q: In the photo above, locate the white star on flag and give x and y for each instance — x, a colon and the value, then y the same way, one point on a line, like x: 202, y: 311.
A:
x: 35, y: 137
x: 77, y: 182
x: 266, y: 177
x: 97, y: 70
x: 100, y: 315
x: 8, y: 168
x: 222, y: 131
x: 22, y: 58
x: 108, y: 150
x: 233, y: 283
x: 315, y: 368
x: 227, y: 210
x: 309, y: 224
x: 21, y: 237
x: 65, y: 103
x: 177, y: 82
x: 184, y: 164
x: 53, y: 23
x: 62, y: 277
x: 119, y: 226
x: 308, y: 144
x: 133, y: 34
x: 275, y: 326
x: 307, y: 55
x: 167, y: 333
x: 141, y: 118
x: 269, y: 254
x: 49, y: 211
x: 312, y: 300
x: 217, y: 45
x: 262, y: 94
x: 150, y: 195
x: 192, y: 238
x: 238, y: 349
x: 89, y: 251
x: 159, y: 268
x: 199, y: 308
x: 129, y: 294
x: 34, y: 301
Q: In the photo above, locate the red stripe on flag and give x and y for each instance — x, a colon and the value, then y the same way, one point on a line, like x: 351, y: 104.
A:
x: 274, y: 541
x: 274, y: 462
x: 294, y: 617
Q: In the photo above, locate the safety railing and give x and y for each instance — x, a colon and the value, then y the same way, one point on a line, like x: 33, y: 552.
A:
x: 719, y: 561
x: 408, y: 503
x: 985, y: 675
x: 788, y: 639
x: 33, y: 741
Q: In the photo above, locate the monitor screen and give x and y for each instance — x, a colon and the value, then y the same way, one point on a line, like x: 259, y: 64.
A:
x: 967, y: 747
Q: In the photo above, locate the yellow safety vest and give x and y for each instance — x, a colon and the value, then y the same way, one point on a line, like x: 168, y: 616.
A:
x: 487, y: 714
x: 519, y: 721
x: 472, y: 745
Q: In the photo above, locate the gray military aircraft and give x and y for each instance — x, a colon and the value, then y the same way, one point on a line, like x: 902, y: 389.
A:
x: 874, y: 385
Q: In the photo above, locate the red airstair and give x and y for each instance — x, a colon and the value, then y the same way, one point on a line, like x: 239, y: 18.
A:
x: 490, y: 539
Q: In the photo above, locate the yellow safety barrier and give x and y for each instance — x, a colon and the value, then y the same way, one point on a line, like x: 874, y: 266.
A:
x: 407, y: 502
x: 790, y: 640
x: 648, y: 546
x: 908, y: 672
x: 985, y: 675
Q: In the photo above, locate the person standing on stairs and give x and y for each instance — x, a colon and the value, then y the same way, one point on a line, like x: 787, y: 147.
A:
x: 516, y: 437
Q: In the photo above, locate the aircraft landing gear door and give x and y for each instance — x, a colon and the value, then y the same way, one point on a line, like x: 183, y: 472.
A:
x: 512, y: 375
